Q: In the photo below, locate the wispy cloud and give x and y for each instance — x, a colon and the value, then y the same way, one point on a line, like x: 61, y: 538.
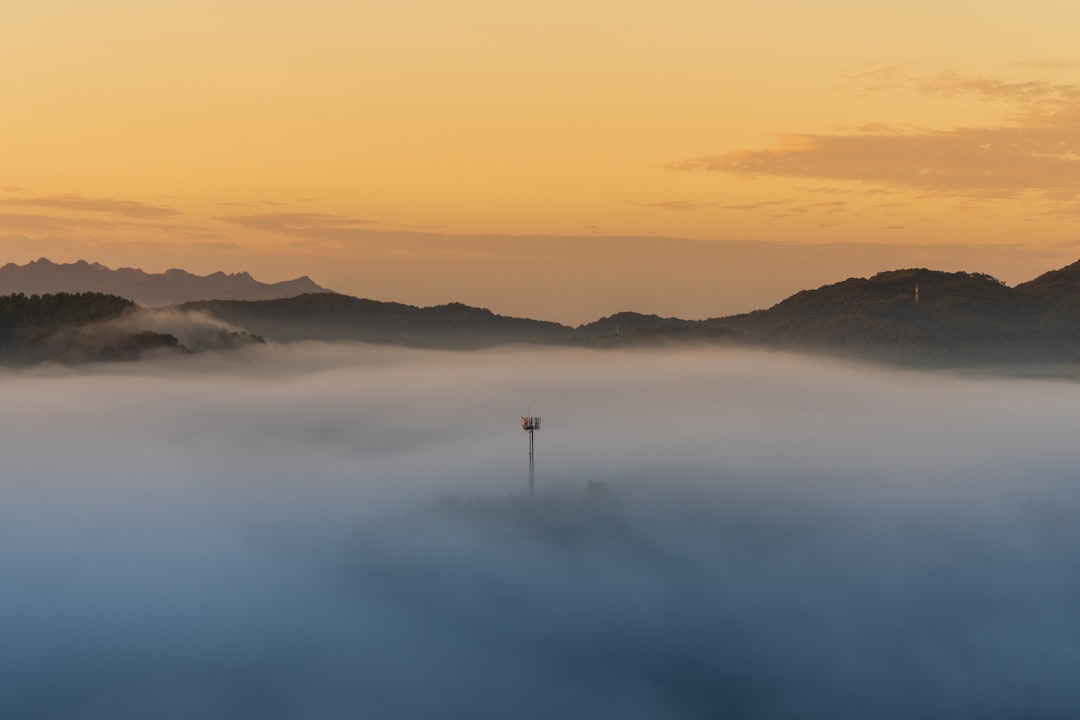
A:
x: 252, y: 203
x: 682, y: 205
x: 990, y: 88
x: 678, y: 205
x: 1036, y: 151
x: 897, y: 78
x: 44, y: 223
x: 12, y: 188
x: 835, y: 190
x: 209, y: 245
x: 1049, y: 64
x: 426, y: 227
x: 81, y: 203
x: 1042, y: 155
x: 319, y: 228
x: 32, y: 222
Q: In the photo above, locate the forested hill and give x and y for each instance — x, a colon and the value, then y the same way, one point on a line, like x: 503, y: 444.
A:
x: 328, y: 316
x: 953, y: 317
x: 71, y: 327
x: 1060, y: 287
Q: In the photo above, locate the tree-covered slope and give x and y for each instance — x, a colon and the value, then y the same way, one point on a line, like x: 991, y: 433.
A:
x: 329, y: 316
x: 960, y: 316
x: 72, y: 327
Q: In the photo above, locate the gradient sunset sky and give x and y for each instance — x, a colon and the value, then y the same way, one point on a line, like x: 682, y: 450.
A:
x: 558, y: 160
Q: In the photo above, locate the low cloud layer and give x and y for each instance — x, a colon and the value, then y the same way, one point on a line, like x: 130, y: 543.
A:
x: 332, y: 531
x: 196, y: 330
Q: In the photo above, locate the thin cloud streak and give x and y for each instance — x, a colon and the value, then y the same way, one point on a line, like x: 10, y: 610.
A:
x: 683, y: 205
x: 989, y: 88
x: 252, y: 204
x: 80, y: 203
x: 678, y: 205
x: 317, y: 228
x: 37, y: 222
x: 1049, y: 64
x: 953, y: 84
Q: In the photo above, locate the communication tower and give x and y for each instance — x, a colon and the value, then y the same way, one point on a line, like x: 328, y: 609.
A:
x: 530, y: 425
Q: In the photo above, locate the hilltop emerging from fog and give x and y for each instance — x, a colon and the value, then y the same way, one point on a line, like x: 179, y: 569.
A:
x: 87, y: 327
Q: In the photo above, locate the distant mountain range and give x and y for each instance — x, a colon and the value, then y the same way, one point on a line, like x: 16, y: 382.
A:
x: 171, y: 287
x: 916, y: 317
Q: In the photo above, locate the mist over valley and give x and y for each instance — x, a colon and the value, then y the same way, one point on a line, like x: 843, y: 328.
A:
x: 331, y: 530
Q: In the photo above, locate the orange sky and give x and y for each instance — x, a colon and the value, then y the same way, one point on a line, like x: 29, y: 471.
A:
x: 561, y: 160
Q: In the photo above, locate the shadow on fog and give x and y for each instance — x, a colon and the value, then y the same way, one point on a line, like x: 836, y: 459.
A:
x: 339, y: 531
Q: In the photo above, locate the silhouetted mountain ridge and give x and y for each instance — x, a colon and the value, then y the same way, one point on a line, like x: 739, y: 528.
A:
x: 171, y: 287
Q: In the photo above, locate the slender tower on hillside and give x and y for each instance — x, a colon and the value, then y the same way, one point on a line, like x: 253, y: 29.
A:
x: 530, y: 425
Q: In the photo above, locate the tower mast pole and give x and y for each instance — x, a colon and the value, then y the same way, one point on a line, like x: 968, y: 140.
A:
x: 530, y: 425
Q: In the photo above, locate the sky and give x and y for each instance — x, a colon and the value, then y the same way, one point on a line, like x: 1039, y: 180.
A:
x: 557, y: 160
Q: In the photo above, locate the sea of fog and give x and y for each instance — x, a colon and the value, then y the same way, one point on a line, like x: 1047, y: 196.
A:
x: 341, y: 531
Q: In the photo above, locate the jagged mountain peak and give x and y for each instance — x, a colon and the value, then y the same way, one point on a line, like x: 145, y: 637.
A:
x: 154, y: 289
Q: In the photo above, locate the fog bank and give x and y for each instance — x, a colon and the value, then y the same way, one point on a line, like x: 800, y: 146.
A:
x: 340, y: 531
